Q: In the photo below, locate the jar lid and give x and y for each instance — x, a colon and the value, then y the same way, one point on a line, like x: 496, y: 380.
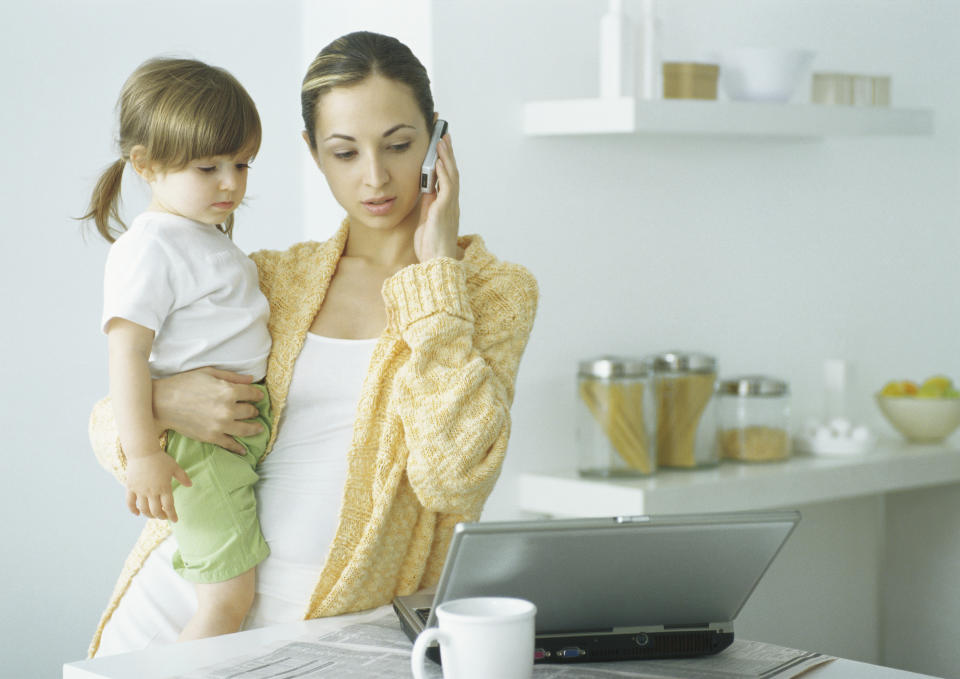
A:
x: 613, y: 366
x: 754, y: 385
x: 683, y: 362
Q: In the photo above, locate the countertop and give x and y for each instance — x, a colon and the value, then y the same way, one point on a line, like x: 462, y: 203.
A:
x: 893, y: 465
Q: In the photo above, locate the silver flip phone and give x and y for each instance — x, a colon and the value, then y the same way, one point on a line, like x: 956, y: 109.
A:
x: 428, y: 173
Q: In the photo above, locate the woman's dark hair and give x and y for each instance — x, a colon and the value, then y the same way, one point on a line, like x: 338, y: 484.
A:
x: 354, y: 57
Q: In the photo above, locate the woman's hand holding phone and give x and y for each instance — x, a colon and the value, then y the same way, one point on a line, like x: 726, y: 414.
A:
x: 436, y: 236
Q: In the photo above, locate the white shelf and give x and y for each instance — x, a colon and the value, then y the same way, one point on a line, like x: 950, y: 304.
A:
x: 625, y: 115
x: 803, y: 479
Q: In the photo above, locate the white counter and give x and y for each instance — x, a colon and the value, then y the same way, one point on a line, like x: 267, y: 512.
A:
x: 734, y: 486
x: 872, y: 571
x: 168, y: 661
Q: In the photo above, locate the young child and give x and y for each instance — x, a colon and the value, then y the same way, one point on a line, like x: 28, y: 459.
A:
x: 178, y: 295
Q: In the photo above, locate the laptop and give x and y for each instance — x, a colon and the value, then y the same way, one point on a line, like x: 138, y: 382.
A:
x: 617, y: 588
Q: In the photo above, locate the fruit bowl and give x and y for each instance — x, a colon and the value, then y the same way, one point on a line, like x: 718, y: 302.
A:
x: 923, y: 420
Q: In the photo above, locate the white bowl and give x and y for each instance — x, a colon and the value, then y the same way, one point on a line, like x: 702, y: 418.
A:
x: 924, y: 420
x: 762, y: 74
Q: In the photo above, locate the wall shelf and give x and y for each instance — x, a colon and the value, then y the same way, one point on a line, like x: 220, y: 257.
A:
x: 804, y: 479
x: 624, y: 115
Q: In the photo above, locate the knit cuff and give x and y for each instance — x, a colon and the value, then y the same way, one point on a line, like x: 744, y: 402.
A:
x: 438, y: 285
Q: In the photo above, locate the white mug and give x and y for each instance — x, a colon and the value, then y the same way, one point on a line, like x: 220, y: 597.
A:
x: 480, y: 638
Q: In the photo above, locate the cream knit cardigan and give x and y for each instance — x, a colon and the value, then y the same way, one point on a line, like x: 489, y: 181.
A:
x: 432, y: 421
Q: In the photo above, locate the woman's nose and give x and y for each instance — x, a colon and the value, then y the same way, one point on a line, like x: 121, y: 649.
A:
x: 376, y: 172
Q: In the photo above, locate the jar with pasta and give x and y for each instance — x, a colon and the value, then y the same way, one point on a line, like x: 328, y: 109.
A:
x: 685, y: 429
x: 754, y: 419
x: 612, y: 417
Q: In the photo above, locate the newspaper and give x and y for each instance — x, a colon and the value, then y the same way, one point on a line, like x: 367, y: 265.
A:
x: 378, y: 649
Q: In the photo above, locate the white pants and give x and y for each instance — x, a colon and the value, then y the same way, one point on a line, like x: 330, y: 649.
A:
x: 156, y: 607
x: 159, y: 603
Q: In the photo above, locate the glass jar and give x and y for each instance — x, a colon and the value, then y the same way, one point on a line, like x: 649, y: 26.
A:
x: 683, y: 388
x: 754, y: 419
x: 612, y: 417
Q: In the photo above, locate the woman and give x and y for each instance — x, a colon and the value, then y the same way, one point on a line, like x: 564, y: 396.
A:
x: 395, y: 351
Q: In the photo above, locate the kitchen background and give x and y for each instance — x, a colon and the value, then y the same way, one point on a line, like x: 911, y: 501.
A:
x: 771, y: 254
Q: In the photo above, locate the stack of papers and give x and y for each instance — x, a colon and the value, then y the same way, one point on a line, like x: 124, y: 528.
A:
x: 378, y: 649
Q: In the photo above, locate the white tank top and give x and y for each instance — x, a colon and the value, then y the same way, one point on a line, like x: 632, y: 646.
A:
x: 301, y: 481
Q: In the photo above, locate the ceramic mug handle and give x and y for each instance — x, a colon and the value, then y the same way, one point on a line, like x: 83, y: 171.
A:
x: 417, y: 656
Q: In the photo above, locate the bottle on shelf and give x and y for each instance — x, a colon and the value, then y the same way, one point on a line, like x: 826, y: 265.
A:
x: 648, y: 77
x: 616, y: 53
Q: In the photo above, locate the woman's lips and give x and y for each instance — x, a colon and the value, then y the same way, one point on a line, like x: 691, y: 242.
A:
x: 224, y: 205
x: 380, y: 206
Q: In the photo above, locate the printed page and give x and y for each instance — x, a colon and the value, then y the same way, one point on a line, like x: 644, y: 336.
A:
x: 313, y: 660
x: 378, y: 649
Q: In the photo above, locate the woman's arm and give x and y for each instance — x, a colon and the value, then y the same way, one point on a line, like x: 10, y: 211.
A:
x: 205, y: 404
x: 458, y: 384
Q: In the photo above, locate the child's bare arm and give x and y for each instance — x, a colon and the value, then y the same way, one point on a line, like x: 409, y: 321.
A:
x: 149, y: 467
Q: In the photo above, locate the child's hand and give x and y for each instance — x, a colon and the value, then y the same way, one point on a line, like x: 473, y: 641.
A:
x: 149, y: 489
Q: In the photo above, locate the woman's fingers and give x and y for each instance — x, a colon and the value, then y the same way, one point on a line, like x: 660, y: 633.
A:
x: 227, y: 375
x: 436, y: 235
x: 245, y: 411
x: 448, y: 158
x: 245, y: 394
x: 244, y: 428
x: 447, y: 168
x: 449, y: 192
x: 240, y: 424
x: 230, y: 443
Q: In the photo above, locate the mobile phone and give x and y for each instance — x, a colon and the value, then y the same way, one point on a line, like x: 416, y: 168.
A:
x: 428, y: 173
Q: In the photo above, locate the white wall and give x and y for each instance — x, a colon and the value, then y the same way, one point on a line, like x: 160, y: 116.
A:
x: 772, y: 255
x: 66, y: 529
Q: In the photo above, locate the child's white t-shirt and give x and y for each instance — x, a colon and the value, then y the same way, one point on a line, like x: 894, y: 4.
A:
x: 191, y: 285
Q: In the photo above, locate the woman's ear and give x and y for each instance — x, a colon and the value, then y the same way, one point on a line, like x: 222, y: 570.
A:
x: 140, y: 162
x: 313, y: 151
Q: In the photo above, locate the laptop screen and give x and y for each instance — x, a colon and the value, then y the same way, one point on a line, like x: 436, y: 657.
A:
x: 681, y: 570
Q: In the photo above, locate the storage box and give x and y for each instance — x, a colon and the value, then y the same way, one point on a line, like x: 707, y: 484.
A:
x: 689, y: 80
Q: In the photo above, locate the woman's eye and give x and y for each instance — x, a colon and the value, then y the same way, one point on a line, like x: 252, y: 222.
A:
x: 206, y: 168
x: 402, y: 146
x: 243, y: 166
x: 344, y: 155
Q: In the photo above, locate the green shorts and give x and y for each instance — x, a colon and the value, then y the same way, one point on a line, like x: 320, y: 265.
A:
x: 218, y: 532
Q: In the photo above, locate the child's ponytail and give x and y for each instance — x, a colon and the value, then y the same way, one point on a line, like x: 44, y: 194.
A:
x: 105, y: 202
